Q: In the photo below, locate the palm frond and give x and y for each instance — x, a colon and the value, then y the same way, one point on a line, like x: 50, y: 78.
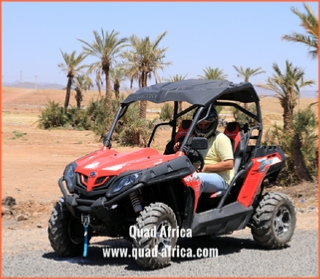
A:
x: 309, y: 22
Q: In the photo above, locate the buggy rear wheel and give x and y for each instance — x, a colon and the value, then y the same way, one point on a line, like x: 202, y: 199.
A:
x: 274, y: 221
x: 65, y: 232
x: 156, y: 236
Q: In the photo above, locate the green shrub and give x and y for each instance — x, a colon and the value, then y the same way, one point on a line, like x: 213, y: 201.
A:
x: 243, y: 118
x: 98, y: 115
x: 166, y: 112
x: 78, y: 118
x: 305, y: 125
x: 136, y: 133
x: 278, y: 136
x: 132, y: 130
x: 52, y: 116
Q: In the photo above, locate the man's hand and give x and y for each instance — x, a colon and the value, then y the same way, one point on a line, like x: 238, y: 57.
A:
x: 176, y: 146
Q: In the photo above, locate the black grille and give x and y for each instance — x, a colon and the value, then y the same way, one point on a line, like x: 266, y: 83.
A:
x: 82, y: 180
x: 100, y: 180
x: 84, y: 177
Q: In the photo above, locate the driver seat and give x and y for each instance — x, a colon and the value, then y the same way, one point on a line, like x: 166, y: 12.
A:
x: 182, y: 130
x: 238, y: 141
x: 179, y: 136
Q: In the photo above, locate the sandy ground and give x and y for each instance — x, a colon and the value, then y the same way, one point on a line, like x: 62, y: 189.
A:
x: 33, y: 160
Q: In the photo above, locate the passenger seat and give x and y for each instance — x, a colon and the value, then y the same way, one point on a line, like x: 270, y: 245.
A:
x: 238, y: 141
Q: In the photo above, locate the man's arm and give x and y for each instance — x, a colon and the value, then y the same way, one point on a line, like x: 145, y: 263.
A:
x: 220, y: 166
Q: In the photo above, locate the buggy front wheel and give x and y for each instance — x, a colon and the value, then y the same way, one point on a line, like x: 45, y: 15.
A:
x: 65, y: 232
x: 156, y: 236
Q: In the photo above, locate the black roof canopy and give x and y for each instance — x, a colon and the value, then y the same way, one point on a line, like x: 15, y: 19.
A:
x: 196, y: 92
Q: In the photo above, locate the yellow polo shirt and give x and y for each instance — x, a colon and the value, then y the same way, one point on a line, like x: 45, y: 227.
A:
x: 219, y: 149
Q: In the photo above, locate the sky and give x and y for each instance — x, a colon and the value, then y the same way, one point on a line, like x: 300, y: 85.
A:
x: 199, y: 35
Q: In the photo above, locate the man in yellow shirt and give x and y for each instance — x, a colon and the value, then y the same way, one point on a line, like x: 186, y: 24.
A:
x: 218, y: 170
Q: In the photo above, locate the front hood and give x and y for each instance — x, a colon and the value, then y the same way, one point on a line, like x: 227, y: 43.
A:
x: 109, y: 162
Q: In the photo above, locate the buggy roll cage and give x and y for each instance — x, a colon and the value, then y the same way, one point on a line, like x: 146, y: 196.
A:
x: 173, y: 122
x: 200, y: 94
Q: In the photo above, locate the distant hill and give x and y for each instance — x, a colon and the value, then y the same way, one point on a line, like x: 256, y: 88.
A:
x: 304, y: 93
x: 26, y: 84
x: 40, y: 85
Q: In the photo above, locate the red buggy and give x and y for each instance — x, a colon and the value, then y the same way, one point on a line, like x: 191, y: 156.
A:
x: 156, y: 194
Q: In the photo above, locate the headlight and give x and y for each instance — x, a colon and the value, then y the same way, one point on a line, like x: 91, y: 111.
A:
x: 69, y: 176
x: 126, y: 181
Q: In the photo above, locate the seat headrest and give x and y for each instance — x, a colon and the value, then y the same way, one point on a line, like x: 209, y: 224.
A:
x: 183, y: 129
x: 232, y: 127
x: 185, y: 124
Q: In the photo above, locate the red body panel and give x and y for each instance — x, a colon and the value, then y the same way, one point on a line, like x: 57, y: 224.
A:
x: 193, y: 181
x: 108, y: 162
x: 255, y: 176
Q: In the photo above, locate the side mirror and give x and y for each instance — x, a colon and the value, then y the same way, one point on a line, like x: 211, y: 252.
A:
x: 199, y: 143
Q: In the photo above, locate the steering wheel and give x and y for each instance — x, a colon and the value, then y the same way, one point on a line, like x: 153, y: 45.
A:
x: 196, y: 159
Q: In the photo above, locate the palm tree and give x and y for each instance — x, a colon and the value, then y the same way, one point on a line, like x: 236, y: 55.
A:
x: 118, y: 74
x: 143, y: 62
x: 309, y: 22
x: 71, y: 67
x: 81, y: 83
x: 248, y: 72
x: 176, y: 78
x: 98, y: 80
x: 304, y: 124
x: 287, y: 88
x: 213, y: 73
x: 299, y: 145
x: 105, y: 47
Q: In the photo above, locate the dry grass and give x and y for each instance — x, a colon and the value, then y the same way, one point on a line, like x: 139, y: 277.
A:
x: 22, y: 118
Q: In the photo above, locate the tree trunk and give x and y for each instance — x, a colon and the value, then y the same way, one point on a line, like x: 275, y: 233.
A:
x: 68, y: 92
x: 143, y: 104
x: 287, y: 118
x: 99, y: 88
x: 299, y: 163
x: 116, y: 88
x: 143, y: 110
x: 179, y: 106
x: 78, y: 98
x: 108, y: 89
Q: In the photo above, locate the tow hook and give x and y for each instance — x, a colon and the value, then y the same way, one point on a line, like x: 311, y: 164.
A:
x: 85, y: 220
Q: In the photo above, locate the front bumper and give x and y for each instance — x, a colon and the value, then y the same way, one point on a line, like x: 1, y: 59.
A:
x: 92, y: 204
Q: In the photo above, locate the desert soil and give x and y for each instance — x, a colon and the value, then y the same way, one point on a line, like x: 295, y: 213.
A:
x: 33, y: 160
